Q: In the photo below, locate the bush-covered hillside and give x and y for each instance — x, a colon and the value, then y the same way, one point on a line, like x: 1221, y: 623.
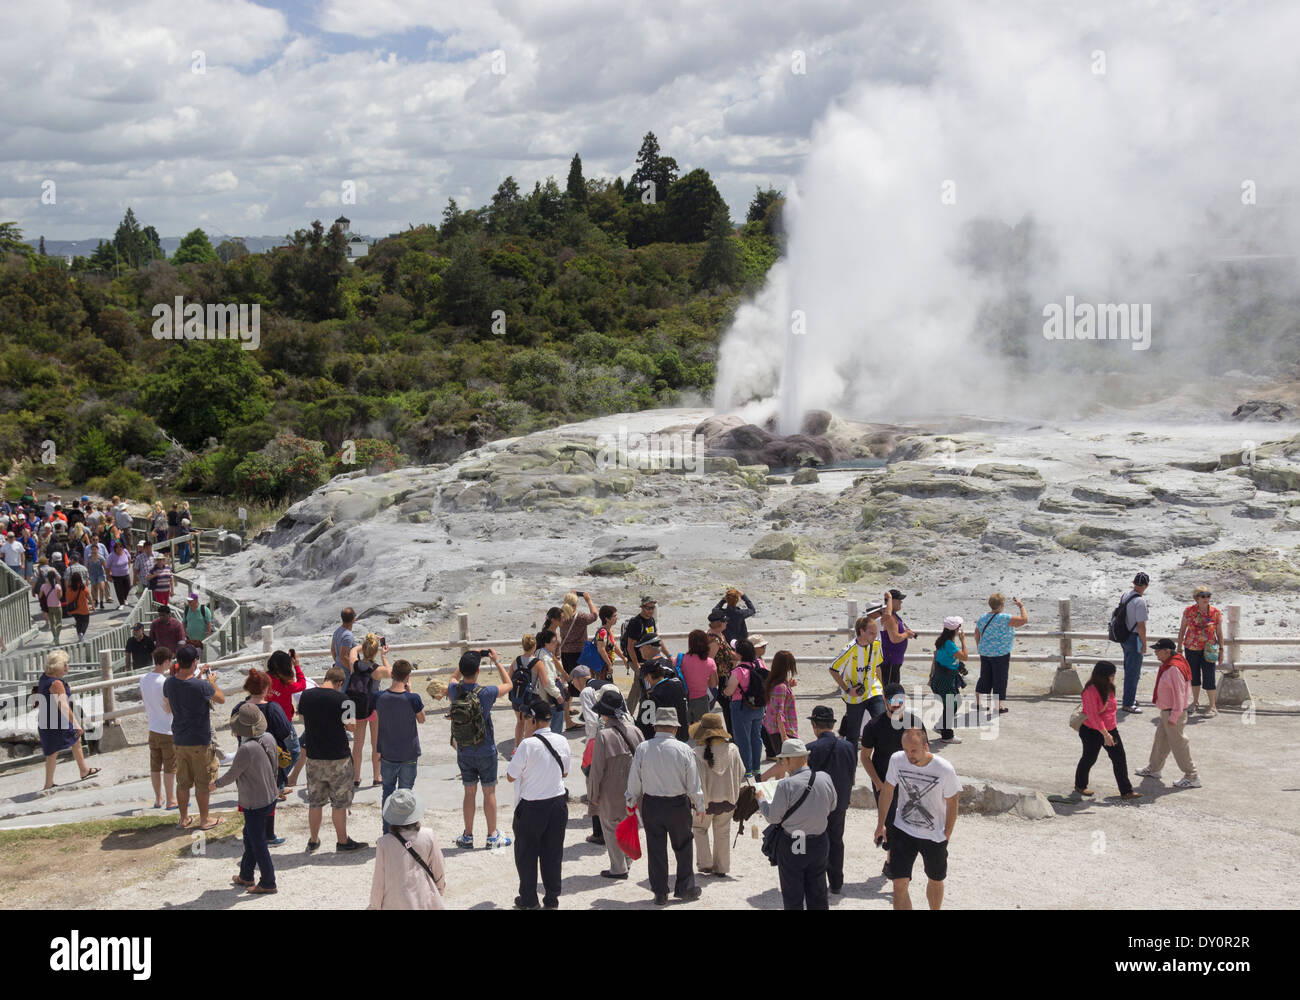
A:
x: 539, y: 308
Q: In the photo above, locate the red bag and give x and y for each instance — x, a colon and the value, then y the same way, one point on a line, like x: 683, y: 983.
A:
x: 586, y: 754
x: 628, y: 835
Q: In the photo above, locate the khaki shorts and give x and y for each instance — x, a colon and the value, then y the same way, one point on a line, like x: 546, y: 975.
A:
x: 162, y: 753
x: 195, y: 766
x: 329, y: 781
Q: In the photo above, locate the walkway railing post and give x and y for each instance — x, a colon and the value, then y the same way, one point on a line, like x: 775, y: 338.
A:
x: 462, y: 630
x: 1233, y: 691
x: 851, y: 609
x: 268, y: 638
x: 1066, y: 682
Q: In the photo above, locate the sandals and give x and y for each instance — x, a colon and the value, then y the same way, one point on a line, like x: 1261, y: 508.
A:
x: 89, y: 774
x: 213, y: 823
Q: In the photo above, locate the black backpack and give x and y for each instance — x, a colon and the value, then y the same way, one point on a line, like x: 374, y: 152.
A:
x: 1119, y: 630
x: 754, y: 694
x: 521, y: 678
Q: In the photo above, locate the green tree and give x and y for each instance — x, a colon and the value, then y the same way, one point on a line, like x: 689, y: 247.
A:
x: 692, y: 203
x: 41, y: 249
x: 307, y: 275
x: 94, y: 455
x: 228, y: 249
x: 465, y: 287
x: 136, y: 245
x: 651, y: 168
x: 505, y: 214
x: 11, y: 239
x: 576, y: 189
x: 720, y: 264
x: 195, y: 248
x: 205, y: 389
x: 766, y: 209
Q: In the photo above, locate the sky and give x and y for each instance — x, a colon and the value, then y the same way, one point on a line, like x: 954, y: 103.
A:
x: 251, y: 118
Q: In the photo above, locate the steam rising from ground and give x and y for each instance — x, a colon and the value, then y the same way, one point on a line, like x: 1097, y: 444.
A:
x: 1102, y: 152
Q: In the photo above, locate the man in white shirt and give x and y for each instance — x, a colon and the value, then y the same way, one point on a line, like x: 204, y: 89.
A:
x: 665, y: 778
x: 927, y: 789
x: 162, y: 754
x: 15, y: 554
x: 539, y: 767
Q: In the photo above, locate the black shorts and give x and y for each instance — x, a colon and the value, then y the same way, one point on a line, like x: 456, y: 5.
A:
x: 903, y: 849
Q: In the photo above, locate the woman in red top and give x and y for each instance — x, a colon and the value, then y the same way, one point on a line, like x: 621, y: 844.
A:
x: 604, y: 640
x: 1202, y: 625
x: 287, y: 680
x: 1100, y: 730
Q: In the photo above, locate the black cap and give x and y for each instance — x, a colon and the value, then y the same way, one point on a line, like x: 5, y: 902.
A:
x: 186, y: 654
x: 896, y: 594
x: 610, y: 702
x: 717, y: 616
x: 469, y: 661
x: 822, y: 716
x: 892, y: 691
x: 1164, y: 644
x: 538, y: 710
x: 1141, y: 580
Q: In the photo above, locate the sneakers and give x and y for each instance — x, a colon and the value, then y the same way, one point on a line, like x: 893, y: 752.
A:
x: 661, y: 899
x: 312, y: 846
x: 690, y: 895
x: 465, y: 840
x: 609, y: 874
x: 1133, y: 709
x: 275, y: 842
x: 1188, y: 783
x: 496, y: 840
x: 520, y: 905
x: 351, y: 845
x: 1210, y: 713
x: 1146, y: 772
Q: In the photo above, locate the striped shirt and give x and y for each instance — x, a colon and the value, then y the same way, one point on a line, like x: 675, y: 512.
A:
x: 859, y: 665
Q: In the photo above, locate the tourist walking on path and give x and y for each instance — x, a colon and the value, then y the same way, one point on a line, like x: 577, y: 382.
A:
x: 51, y: 595
x: 1200, y: 638
x: 410, y: 873
x: 539, y: 766
x: 641, y: 627
x: 278, y: 727
x: 663, y: 690
x: 611, y: 760
x: 119, y: 569
x: 160, y: 580
x: 735, y: 615
x: 995, y: 632
x: 882, y: 737
x: 253, y: 770
x: 362, y: 686
x: 664, y: 783
x: 55, y: 725
x: 162, y: 752
x: 197, y: 620
x: 399, y: 712
x: 188, y: 696
x: 1100, y: 730
x: 475, y: 741
x: 801, y: 806
x: 1172, y: 695
x: 927, y: 790
x: 946, y: 674
x: 78, y: 603
x: 328, y: 714
x: 780, y: 716
x: 835, y: 756
x: 1134, y: 617
x: 856, y: 672
x: 721, y: 773
x: 893, y: 638
x: 699, y: 672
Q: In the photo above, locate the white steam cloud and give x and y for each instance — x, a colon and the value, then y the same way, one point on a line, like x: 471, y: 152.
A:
x: 1118, y: 153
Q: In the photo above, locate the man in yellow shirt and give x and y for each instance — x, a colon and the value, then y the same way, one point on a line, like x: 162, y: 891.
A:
x: 856, y: 672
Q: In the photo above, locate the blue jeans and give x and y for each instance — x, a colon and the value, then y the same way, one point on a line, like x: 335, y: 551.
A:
x: 294, y: 746
x: 747, y: 731
x: 395, y: 775
x: 256, y: 852
x: 557, y: 719
x: 1132, y: 668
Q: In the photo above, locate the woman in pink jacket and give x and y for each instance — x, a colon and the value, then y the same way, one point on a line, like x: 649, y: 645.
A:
x: 1099, y: 730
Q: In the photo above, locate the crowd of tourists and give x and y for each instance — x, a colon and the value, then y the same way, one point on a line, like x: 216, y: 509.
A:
x: 80, y: 559
x: 688, y: 752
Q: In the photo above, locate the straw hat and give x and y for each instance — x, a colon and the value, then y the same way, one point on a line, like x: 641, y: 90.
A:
x: 709, y: 727
x: 437, y: 689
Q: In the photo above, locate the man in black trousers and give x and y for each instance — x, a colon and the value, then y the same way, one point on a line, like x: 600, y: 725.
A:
x: 665, y: 779
x: 835, y: 756
x: 539, y: 767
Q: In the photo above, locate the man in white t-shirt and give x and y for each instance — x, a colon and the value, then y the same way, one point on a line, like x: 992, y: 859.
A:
x: 162, y: 754
x: 927, y: 789
x: 15, y: 554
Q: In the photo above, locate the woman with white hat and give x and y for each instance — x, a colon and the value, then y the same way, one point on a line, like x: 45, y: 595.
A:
x: 946, y: 671
x: 409, y: 870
